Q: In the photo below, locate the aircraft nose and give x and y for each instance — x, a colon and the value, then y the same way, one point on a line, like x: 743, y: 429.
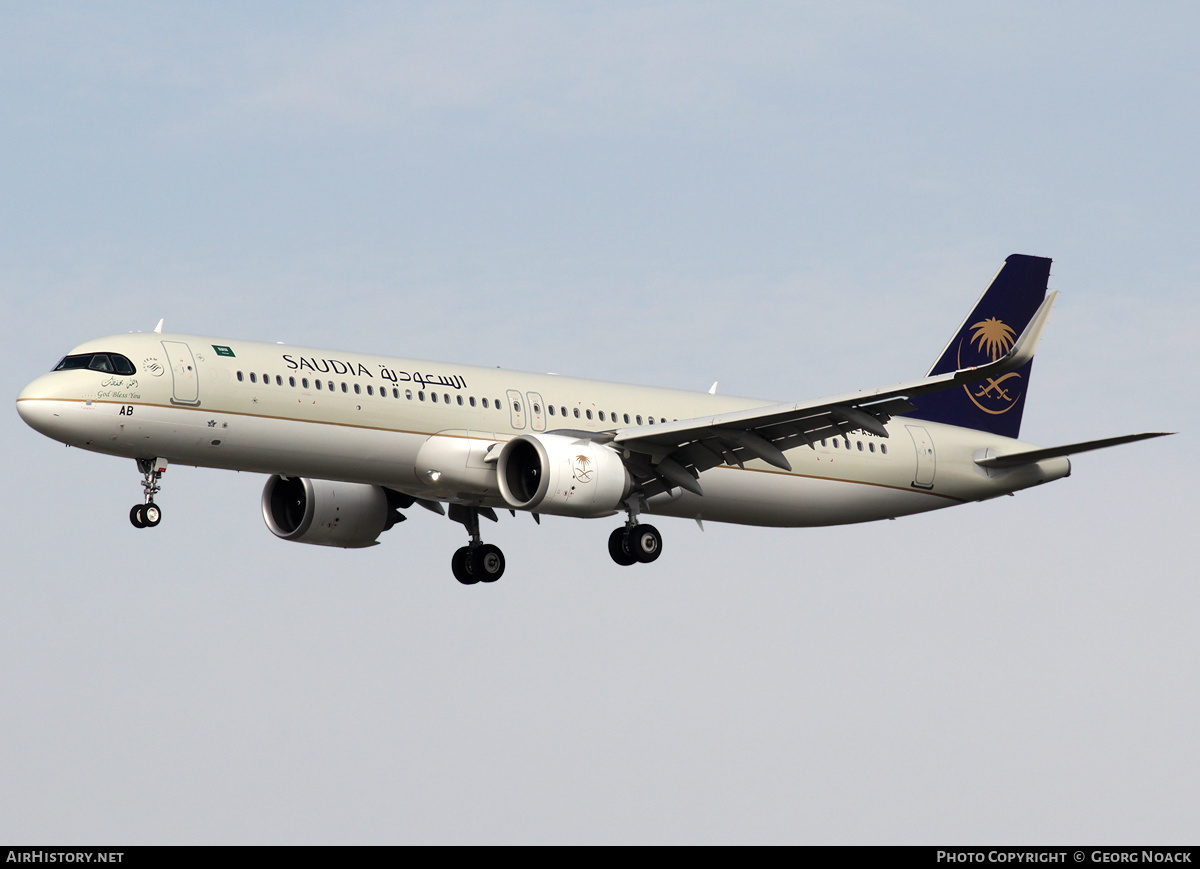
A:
x: 33, y: 406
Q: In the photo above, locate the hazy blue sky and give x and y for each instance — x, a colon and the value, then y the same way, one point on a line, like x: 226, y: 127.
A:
x: 794, y: 199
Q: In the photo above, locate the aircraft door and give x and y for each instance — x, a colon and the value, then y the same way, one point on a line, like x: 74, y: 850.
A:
x: 516, y: 409
x: 926, y: 457
x: 185, y: 381
x: 537, y: 411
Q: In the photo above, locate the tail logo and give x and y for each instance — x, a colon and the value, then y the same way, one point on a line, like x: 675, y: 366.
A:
x: 989, y: 340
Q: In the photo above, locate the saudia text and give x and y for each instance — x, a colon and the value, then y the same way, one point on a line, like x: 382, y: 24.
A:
x: 357, y: 369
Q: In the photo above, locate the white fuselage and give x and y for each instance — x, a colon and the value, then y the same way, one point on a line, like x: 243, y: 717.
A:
x: 426, y: 428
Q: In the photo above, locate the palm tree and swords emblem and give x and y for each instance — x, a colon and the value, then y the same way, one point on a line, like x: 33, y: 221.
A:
x: 582, y: 469
x: 992, y: 339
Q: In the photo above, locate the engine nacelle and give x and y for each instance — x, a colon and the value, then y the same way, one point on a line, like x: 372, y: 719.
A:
x: 349, y: 515
x: 562, y: 476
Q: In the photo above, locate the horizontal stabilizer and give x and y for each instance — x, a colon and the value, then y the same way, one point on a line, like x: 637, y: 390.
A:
x: 1029, y: 457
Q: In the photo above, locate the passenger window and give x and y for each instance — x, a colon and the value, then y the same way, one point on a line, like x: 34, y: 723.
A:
x: 484, y: 400
x: 318, y: 384
x: 517, y: 406
x: 433, y: 397
x: 860, y: 446
x: 344, y: 389
x: 537, y: 408
x: 446, y: 397
x: 370, y: 390
x: 421, y: 395
x: 626, y: 418
x: 266, y: 380
x: 871, y: 446
x: 304, y: 382
x: 357, y: 389
x: 639, y: 419
x: 240, y: 378
x: 253, y: 377
x: 278, y: 380
x: 472, y: 400
x: 459, y: 398
x: 330, y: 385
x: 577, y: 413
x: 291, y: 381
x: 883, y: 449
x: 589, y: 413
x: 551, y: 409
x: 601, y: 416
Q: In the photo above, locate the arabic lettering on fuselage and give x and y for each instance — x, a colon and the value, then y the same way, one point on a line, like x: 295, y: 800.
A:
x: 357, y: 369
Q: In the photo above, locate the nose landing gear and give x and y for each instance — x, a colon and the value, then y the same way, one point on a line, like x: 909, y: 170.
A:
x: 145, y: 515
x: 149, y: 514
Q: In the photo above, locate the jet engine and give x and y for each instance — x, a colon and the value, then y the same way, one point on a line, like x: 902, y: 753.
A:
x: 349, y: 515
x: 562, y: 476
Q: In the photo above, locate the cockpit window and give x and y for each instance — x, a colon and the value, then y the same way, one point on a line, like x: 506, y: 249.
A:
x: 112, y: 363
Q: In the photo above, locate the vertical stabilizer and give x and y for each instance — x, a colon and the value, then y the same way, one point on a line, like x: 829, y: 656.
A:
x: 998, y: 318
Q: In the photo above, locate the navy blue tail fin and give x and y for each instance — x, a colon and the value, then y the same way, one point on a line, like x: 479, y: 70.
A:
x: 999, y: 317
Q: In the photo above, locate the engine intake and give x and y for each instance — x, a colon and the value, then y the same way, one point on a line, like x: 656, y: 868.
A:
x: 562, y: 475
x: 326, y: 513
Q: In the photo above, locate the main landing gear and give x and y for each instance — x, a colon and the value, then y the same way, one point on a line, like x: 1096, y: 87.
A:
x: 149, y: 514
x: 477, y: 561
x: 634, y: 543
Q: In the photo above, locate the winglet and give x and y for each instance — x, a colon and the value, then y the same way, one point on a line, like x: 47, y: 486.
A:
x: 1020, y: 353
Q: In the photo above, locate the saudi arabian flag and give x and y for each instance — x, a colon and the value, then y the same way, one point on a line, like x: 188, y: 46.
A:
x: 222, y: 351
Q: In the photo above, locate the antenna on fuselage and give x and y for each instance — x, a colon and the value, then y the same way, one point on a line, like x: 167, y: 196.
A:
x: 158, y: 328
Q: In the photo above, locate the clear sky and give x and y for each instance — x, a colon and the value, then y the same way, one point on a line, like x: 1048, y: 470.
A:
x: 793, y: 199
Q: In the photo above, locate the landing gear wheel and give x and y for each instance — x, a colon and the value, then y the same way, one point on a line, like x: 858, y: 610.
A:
x: 136, y: 516
x: 151, y: 515
x: 618, y: 547
x: 645, y: 543
x: 461, y: 565
x: 487, y: 563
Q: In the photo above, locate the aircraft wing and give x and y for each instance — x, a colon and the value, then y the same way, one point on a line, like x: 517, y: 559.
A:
x: 671, y: 454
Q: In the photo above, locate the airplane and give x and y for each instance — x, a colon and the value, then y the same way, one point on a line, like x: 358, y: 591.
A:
x: 349, y: 439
